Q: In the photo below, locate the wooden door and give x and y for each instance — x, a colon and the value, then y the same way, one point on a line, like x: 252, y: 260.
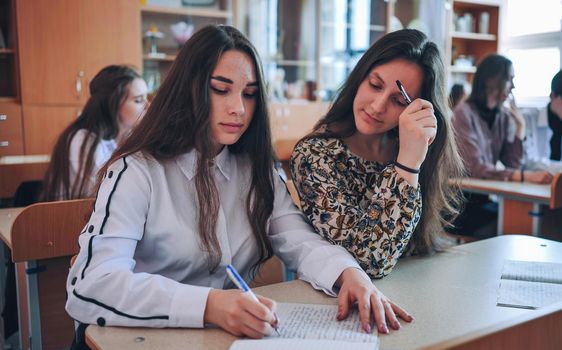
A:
x: 49, y: 52
x: 11, y: 140
x: 43, y: 125
x: 111, y: 34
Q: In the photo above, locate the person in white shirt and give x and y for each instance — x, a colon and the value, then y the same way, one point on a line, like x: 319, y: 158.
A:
x: 194, y: 189
x: 118, y: 100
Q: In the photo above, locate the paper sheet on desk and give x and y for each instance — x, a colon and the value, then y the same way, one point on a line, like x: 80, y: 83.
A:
x: 530, y: 284
x: 311, y: 326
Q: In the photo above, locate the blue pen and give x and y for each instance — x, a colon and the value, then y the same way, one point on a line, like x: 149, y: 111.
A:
x: 241, y: 284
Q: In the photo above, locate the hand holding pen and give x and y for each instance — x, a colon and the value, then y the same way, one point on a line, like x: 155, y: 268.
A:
x: 417, y: 130
x: 239, y: 313
x: 241, y: 284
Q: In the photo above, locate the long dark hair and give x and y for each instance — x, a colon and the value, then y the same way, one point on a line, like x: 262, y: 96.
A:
x: 177, y: 122
x: 493, y: 67
x: 440, y: 199
x: 108, y: 89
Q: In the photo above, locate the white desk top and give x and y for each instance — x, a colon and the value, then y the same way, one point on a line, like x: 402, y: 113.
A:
x: 452, y: 296
x: 7, y: 217
x: 524, y: 191
x: 40, y: 158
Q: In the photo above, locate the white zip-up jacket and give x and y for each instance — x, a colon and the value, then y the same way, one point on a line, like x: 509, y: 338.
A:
x: 140, y: 261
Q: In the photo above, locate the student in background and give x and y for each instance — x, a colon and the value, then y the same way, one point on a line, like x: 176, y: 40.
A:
x: 118, y: 97
x: 373, y: 174
x: 554, y: 110
x: 457, y: 95
x: 194, y: 189
x: 482, y: 126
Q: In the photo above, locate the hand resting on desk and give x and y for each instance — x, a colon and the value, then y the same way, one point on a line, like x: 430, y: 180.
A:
x: 355, y: 286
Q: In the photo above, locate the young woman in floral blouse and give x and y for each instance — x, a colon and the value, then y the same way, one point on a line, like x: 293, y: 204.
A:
x: 377, y: 159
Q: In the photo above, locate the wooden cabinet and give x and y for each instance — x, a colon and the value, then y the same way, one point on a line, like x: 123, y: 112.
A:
x: 64, y: 43
x: 9, y: 83
x: 474, y: 34
x: 11, y: 137
x: 43, y: 125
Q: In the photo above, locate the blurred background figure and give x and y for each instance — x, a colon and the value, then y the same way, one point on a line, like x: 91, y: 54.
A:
x: 457, y: 95
x: 554, y: 111
x: 118, y: 99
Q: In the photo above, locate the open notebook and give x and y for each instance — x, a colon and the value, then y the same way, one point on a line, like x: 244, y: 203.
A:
x: 311, y: 326
x: 530, y: 284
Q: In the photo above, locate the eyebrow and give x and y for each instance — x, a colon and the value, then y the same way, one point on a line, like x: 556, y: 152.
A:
x: 229, y: 81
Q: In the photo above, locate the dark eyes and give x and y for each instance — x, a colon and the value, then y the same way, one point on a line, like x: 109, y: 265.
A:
x: 219, y: 91
x: 399, y: 100
x: 224, y: 92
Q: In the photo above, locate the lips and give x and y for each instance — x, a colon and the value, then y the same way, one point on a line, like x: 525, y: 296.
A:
x: 370, y: 118
x: 231, y: 127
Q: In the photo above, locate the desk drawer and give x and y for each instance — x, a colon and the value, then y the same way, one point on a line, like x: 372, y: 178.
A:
x: 11, y: 131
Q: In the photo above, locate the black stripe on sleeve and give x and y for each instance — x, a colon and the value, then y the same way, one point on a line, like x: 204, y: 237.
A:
x: 120, y: 313
x: 111, y: 195
x: 104, y: 219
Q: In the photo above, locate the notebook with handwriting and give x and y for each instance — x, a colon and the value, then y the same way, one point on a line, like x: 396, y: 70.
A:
x: 530, y: 284
x: 311, y: 326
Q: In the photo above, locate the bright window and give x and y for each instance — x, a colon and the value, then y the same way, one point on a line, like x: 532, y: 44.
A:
x: 532, y: 80
x: 537, y: 16
x: 533, y: 40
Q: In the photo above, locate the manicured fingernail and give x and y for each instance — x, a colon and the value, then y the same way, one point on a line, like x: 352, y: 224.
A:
x: 367, y: 328
x: 397, y: 325
x: 384, y: 329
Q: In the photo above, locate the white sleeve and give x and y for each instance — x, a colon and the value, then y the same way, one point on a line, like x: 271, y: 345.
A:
x: 78, y: 139
x: 301, y: 249
x: 102, y: 285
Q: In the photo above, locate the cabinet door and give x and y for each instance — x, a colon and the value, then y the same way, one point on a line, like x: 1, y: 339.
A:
x: 110, y: 34
x: 49, y: 51
x: 43, y: 125
x: 11, y: 139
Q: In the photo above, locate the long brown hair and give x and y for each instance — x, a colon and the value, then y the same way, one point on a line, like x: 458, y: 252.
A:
x: 493, y: 68
x: 108, y: 90
x: 177, y: 122
x: 440, y: 200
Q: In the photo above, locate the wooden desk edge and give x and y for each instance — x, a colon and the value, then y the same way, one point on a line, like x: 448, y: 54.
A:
x: 475, y: 188
x: 465, y: 339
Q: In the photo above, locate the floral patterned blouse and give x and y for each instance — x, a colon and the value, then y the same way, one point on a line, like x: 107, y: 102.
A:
x: 364, y: 206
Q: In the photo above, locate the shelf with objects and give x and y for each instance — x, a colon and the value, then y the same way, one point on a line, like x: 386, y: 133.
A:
x: 11, y: 126
x: 308, y: 48
x: 167, y: 24
x: 474, y: 34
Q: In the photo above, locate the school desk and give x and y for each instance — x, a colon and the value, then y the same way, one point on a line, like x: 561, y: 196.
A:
x: 16, y: 169
x: 42, y: 237
x: 524, y: 208
x: 452, y: 296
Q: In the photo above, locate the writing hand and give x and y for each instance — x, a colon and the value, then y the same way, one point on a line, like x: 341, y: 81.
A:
x: 237, y: 313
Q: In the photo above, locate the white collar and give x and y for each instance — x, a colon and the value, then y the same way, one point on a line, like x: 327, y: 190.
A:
x: 188, y: 163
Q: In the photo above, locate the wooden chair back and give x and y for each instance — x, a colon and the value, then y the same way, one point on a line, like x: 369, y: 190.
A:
x: 49, y: 230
